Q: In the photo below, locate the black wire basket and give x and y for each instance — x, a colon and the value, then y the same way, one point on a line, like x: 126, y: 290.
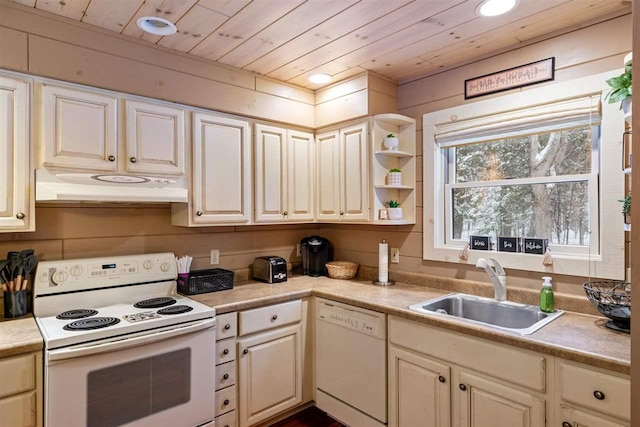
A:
x: 613, y: 299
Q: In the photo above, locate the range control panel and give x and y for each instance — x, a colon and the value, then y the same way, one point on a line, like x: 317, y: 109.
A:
x: 358, y: 319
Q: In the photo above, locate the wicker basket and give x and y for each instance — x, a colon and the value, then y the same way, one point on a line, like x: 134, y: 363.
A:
x: 342, y: 269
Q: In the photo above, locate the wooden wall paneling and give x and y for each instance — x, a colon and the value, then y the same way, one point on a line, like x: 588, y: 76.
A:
x: 296, y: 22
x: 193, y: 27
x: 29, y: 3
x: 13, y: 49
x: 380, y: 103
x: 243, y: 25
x: 224, y: 7
x: 73, y: 9
x: 276, y: 88
x: 341, y: 89
x: 110, y: 14
x: 171, y: 10
x: 344, y: 108
x: 44, y: 249
x: 87, y: 66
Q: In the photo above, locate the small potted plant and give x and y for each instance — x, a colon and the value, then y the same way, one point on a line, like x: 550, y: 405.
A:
x: 394, y: 177
x: 621, y: 90
x: 626, y: 211
x: 394, y: 210
x: 391, y: 142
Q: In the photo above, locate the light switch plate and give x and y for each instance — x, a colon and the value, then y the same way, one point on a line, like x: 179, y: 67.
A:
x: 395, y: 255
x: 215, y: 256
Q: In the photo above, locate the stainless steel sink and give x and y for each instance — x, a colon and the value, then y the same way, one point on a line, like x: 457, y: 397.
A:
x: 506, y: 315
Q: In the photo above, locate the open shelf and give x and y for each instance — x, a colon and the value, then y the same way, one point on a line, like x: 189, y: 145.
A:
x: 393, y: 153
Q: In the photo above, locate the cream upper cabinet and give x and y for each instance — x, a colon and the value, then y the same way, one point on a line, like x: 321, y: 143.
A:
x: 155, y: 138
x: 16, y: 177
x: 343, y: 174
x: 284, y: 174
x: 221, y: 175
x: 78, y: 128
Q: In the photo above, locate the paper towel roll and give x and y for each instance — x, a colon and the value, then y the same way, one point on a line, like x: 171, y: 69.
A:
x: 383, y: 262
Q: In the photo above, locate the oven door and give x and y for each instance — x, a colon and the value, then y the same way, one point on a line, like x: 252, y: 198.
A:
x: 163, y: 377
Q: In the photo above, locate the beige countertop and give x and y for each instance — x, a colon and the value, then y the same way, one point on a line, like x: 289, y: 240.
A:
x: 578, y: 337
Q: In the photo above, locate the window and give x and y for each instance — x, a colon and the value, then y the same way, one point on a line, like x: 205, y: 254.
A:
x: 543, y: 163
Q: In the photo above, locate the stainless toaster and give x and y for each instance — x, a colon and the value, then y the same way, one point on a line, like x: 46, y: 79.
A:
x: 270, y: 269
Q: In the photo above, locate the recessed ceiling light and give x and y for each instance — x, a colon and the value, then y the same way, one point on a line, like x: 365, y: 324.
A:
x: 157, y: 26
x: 495, y: 7
x: 320, y: 78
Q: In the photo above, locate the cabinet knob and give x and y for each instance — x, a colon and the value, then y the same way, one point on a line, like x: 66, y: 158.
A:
x: 225, y: 377
x: 20, y: 215
x: 441, y: 379
x: 133, y: 160
x: 225, y: 351
x: 463, y: 387
x: 112, y: 158
x: 245, y: 351
x: 274, y: 317
x: 199, y: 213
x: 598, y: 395
x: 285, y: 213
x: 341, y: 213
x: 226, y: 402
x: 227, y: 327
x: 566, y: 424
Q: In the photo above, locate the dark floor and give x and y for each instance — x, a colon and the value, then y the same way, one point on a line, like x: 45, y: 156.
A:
x: 310, y: 417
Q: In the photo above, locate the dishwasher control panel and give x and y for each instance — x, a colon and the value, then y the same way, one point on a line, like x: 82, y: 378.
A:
x: 358, y: 319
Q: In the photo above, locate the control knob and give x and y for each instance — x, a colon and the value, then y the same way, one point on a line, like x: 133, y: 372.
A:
x: 75, y: 271
x: 164, y: 267
x: 147, y: 264
x: 59, y: 277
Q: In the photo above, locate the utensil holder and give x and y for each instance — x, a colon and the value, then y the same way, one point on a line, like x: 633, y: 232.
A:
x: 15, y: 304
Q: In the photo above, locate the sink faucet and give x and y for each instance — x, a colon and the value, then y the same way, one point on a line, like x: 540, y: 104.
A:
x: 498, y: 277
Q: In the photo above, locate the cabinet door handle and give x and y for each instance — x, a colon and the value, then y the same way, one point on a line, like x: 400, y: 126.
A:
x: 225, y: 351
x: 133, y: 160
x: 226, y: 402
x: 20, y: 215
x: 274, y: 317
x: 112, y: 158
x: 227, y: 327
x: 598, y: 395
x: 285, y: 213
x: 341, y: 213
x: 566, y: 424
x: 245, y: 351
x: 225, y: 377
x: 463, y: 387
x: 199, y: 213
x: 441, y: 379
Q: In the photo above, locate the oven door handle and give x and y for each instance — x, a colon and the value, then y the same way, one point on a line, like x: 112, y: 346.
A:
x: 122, y: 343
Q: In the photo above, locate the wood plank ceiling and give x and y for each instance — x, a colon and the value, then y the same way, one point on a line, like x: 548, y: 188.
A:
x: 290, y: 39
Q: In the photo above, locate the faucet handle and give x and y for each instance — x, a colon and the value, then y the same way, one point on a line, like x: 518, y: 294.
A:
x: 499, y: 270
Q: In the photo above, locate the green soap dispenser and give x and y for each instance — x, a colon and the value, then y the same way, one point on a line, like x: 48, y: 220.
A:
x: 547, y: 303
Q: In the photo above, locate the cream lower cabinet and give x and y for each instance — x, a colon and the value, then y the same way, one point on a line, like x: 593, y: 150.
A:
x: 271, y: 361
x: 342, y: 178
x: 226, y: 390
x: 221, y: 189
x: 441, y: 379
x: 284, y: 174
x: 21, y: 391
x: 17, y: 207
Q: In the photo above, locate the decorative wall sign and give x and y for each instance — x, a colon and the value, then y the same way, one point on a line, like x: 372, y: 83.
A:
x: 481, y: 243
x: 523, y: 75
x: 535, y: 246
x: 509, y: 244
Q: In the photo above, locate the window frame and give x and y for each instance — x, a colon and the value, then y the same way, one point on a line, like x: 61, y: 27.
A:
x: 607, y: 179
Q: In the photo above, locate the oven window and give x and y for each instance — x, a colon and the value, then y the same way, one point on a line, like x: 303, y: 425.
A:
x: 133, y: 390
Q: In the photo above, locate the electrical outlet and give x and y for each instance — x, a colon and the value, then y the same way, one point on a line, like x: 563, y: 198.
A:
x: 395, y: 255
x: 298, y: 254
x: 215, y: 256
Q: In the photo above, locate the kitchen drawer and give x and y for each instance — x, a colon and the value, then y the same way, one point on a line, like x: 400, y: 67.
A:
x: 227, y: 325
x: 225, y: 375
x: 225, y: 400
x: 18, y: 374
x: 517, y: 366
x: 18, y: 411
x: 594, y: 389
x: 225, y: 350
x: 269, y: 317
x: 226, y: 420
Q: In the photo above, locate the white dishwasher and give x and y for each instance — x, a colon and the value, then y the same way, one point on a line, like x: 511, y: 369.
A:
x: 351, y: 364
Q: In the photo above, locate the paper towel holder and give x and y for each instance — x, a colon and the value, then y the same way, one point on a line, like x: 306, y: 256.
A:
x: 383, y: 263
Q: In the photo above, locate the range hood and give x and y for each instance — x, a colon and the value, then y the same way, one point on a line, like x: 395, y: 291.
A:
x: 105, y: 187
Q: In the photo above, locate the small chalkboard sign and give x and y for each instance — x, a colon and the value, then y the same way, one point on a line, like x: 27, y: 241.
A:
x: 480, y: 243
x: 535, y: 246
x: 509, y: 244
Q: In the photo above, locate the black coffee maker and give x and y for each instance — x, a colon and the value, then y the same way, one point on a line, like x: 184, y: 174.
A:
x: 315, y: 254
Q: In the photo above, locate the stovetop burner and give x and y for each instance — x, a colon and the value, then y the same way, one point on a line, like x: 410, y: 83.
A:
x: 175, y: 309
x: 91, y: 323
x: 76, y: 314
x: 155, y: 302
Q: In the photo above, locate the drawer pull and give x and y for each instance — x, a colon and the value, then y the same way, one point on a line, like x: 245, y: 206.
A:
x: 441, y: 379
x: 20, y: 215
x: 285, y: 213
x: 245, y: 351
x: 226, y: 402
x: 463, y: 387
x: 199, y: 213
x: 225, y: 351
x: 112, y: 158
x: 227, y: 327
x: 566, y: 424
x: 225, y: 377
x: 274, y: 317
x: 133, y: 160
x: 598, y: 395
